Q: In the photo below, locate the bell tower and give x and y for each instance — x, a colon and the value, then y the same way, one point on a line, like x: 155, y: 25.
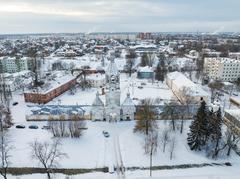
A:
x: 112, y: 84
x: 112, y: 91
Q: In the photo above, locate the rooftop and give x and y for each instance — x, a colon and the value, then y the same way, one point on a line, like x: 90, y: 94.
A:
x: 234, y: 112
x: 54, y: 81
x: 181, y: 81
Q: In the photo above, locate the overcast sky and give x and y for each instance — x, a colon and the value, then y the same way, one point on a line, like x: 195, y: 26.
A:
x: 43, y: 16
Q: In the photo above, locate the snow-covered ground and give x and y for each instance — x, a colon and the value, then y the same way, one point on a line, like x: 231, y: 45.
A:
x: 149, y: 90
x: 94, y: 150
x: 192, y: 173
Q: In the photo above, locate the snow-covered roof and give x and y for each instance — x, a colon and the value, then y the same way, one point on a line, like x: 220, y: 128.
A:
x: 112, y: 69
x: 128, y: 101
x: 96, y: 77
x: 234, y: 112
x: 223, y: 60
x: 58, y: 79
x: 181, y: 81
x: 97, y: 101
x: 145, y: 69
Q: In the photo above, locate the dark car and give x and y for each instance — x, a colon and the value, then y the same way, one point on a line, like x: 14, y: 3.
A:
x: 46, y: 127
x: 15, y: 103
x: 33, y: 127
x: 106, y: 134
x: 20, y: 126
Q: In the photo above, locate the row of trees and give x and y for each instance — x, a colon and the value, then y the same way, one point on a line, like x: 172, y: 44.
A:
x: 206, y: 133
x: 62, y: 128
x: 205, y: 130
x: 5, y: 122
x: 147, y: 125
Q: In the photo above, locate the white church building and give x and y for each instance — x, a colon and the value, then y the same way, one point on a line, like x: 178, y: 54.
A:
x: 112, y: 110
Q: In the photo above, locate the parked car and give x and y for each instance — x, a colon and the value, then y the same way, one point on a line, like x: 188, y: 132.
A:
x: 140, y: 87
x: 33, y: 127
x: 20, y: 126
x: 46, y: 127
x: 15, y: 103
x: 106, y: 134
x: 235, y: 94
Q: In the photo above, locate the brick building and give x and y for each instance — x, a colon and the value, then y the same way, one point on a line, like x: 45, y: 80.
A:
x: 43, y: 97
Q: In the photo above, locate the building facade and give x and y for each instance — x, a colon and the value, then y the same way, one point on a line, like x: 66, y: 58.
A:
x: 112, y: 110
x: 13, y: 65
x: 145, y: 73
x: 184, y: 89
x: 223, y: 69
x: 45, y: 97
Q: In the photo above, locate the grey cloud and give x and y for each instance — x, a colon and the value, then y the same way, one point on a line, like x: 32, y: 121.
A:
x: 23, y: 16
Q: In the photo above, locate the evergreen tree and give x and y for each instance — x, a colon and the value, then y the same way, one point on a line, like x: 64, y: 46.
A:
x: 211, y: 124
x: 197, y: 136
x: 144, y: 60
x: 158, y: 73
x: 161, y: 71
x: 217, y: 131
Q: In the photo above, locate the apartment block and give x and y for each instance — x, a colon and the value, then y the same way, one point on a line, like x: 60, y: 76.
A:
x: 223, y: 69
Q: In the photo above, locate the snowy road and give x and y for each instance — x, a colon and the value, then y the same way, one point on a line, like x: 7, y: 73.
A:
x: 116, y: 155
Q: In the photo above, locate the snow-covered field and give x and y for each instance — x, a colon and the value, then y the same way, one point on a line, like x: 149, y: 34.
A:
x: 94, y: 150
x: 193, y: 173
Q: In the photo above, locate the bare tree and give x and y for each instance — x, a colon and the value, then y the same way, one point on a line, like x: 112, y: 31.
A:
x: 146, y: 117
x: 151, y: 57
x: 170, y: 111
x: 54, y: 128
x: 187, y: 101
x: 172, y: 147
x: 232, y: 140
x: 5, y: 93
x: 47, y: 154
x: 5, y: 150
x: 5, y: 154
x: 6, y: 116
x: 62, y: 126
x: 165, y: 138
x: 76, y: 126
x: 32, y: 53
x: 150, y: 146
x: 215, y: 87
x: 130, y: 57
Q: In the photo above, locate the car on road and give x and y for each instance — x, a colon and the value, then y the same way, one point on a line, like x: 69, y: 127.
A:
x: 106, y: 134
x: 20, y: 126
x: 33, y: 127
x: 140, y: 87
x: 15, y: 103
